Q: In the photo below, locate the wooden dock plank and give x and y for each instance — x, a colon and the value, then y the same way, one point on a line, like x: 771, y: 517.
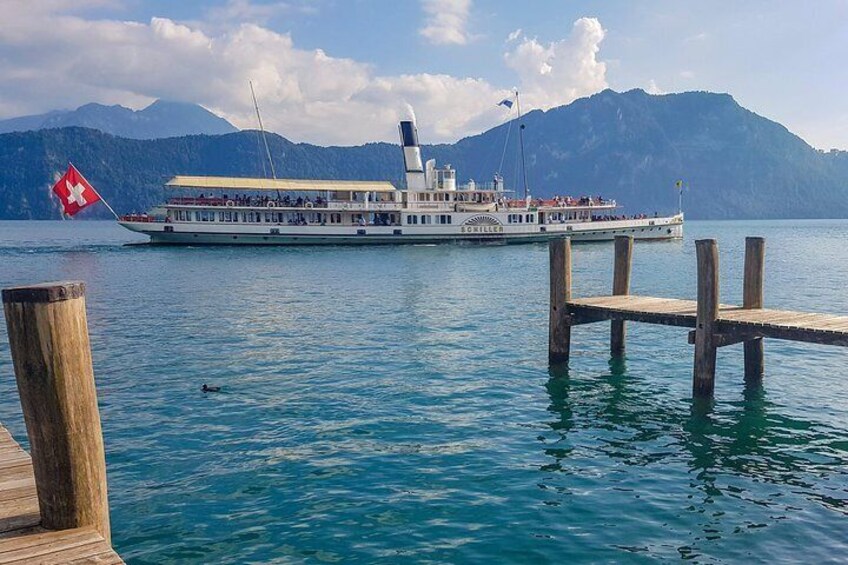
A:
x: 22, y: 540
x: 778, y: 324
x: 18, y: 499
x: 665, y: 311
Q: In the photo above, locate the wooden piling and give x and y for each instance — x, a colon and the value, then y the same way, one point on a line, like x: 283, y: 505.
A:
x: 48, y: 336
x: 620, y: 287
x: 559, y: 329
x: 703, y: 381
x: 752, y: 298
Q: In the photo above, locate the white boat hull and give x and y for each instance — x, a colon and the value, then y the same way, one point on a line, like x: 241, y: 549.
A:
x: 199, y: 233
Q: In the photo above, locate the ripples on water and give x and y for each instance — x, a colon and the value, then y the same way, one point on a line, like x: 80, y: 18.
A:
x: 394, y: 404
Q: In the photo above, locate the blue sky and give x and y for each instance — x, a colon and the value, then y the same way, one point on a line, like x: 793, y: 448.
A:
x: 335, y: 71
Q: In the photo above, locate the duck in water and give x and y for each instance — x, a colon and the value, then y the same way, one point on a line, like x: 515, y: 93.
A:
x: 206, y: 388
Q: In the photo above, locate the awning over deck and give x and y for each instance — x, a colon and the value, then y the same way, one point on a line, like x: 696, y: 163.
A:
x: 291, y: 185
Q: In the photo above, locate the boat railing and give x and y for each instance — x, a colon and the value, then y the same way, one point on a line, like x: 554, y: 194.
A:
x: 363, y: 206
x: 283, y: 203
x: 144, y: 218
x: 446, y: 206
x: 247, y: 202
x: 584, y: 202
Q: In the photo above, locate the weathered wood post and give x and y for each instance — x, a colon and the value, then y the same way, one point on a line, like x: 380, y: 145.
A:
x: 620, y: 287
x: 48, y: 335
x: 752, y: 298
x: 703, y: 381
x: 559, y: 328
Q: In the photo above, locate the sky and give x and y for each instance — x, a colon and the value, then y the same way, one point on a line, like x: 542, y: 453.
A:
x: 343, y: 72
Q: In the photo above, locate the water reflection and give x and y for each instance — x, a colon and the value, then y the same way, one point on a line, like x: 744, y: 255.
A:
x: 558, y: 387
x: 733, y: 449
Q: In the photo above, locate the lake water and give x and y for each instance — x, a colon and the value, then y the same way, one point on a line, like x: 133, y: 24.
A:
x: 394, y: 404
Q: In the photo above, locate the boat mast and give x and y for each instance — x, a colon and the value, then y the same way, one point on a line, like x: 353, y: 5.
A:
x: 262, y: 130
x: 264, y: 137
x: 521, y: 141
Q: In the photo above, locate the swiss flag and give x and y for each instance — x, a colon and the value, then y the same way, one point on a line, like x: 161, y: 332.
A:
x: 74, y: 191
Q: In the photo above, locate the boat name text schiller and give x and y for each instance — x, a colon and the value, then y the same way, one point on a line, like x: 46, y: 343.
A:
x: 482, y: 229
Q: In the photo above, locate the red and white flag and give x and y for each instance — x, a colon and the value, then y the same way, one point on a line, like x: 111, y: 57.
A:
x: 74, y: 191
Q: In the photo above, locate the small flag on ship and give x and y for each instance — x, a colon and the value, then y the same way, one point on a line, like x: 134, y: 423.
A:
x: 76, y: 193
x: 505, y: 102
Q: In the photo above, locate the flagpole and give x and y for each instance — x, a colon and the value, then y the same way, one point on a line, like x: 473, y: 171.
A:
x: 103, y: 200
x: 521, y: 141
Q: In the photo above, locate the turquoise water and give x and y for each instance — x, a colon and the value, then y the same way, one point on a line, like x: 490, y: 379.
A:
x: 394, y: 404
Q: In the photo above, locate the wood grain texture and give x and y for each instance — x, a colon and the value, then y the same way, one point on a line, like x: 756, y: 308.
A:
x: 621, y: 287
x: 52, y: 360
x: 22, y: 539
x: 703, y: 378
x: 45, y: 292
x: 752, y: 298
x: 18, y: 501
x: 559, y: 329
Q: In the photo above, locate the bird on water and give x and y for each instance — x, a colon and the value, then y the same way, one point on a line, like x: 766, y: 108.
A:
x: 206, y: 388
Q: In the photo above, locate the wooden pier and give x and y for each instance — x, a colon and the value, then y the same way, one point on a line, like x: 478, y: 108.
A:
x: 713, y: 324
x: 53, y: 505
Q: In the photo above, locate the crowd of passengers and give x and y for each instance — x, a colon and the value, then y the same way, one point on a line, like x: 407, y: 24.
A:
x: 300, y: 201
x: 247, y: 200
x: 621, y: 217
x: 571, y: 201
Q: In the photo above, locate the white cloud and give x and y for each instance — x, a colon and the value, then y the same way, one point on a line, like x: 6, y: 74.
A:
x: 653, y: 88
x: 561, y: 71
x: 446, y: 21
x: 306, y: 95
x: 687, y: 74
x: 513, y: 36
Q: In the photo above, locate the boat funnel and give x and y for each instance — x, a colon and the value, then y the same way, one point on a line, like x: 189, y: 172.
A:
x: 415, y: 178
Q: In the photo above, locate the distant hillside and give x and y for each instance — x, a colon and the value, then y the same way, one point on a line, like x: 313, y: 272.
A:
x: 159, y: 120
x: 630, y: 146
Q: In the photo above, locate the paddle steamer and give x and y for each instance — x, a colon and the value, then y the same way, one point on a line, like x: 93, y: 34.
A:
x: 432, y: 208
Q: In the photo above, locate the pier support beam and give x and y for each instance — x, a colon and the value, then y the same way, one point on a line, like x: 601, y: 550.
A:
x: 703, y: 381
x: 620, y: 287
x: 752, y: 298
x: 48, y: 335
x: 559, y: 328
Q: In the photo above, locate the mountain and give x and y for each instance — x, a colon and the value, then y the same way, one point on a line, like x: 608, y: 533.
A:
x: 629, y: 146
x: 159, y: 120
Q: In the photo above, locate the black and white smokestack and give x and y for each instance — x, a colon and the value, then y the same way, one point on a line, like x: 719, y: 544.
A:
x: 408, y: 134
x: 411, y: 151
